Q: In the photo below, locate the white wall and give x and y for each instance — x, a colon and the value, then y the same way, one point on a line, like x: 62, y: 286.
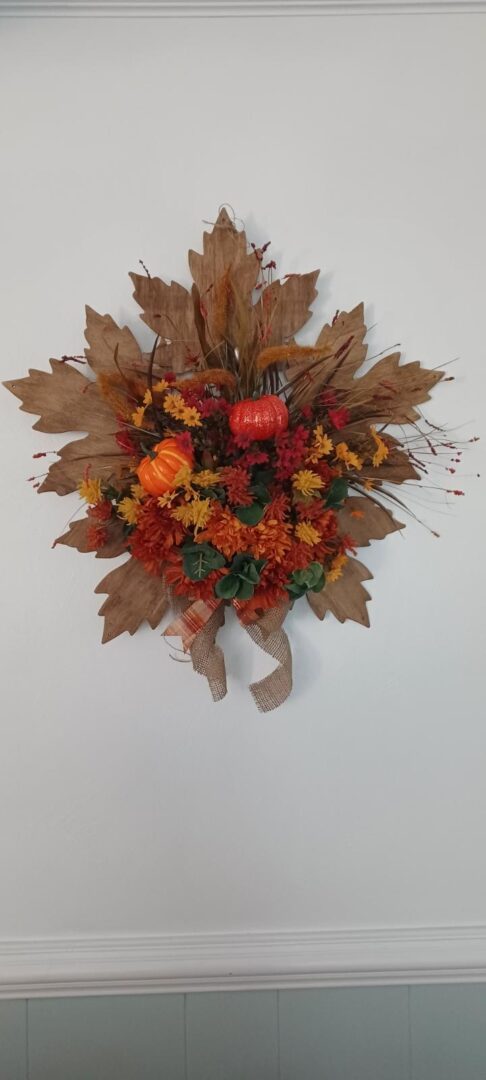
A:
x: 129, y: 803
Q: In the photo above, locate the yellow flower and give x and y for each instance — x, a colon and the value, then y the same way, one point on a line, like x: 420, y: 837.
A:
x: 161, y: 385
x: 128, y: 509
x: 147, y: 398
x: 90, y: 491
x: 175, y: 405
x: 351, y: 460
x: 368, y: 484
x: 206, y: 478
x: 192, y: 418
x: 307, y: 482
x: 138, y: 415
x: 197, y: 513
x: 381, y: 452
x: 138, y: 492
x: 306, y: 532
x: 322, y: 445
x: 337, y: 567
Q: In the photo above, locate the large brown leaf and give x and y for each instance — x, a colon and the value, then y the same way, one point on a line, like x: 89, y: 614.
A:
x: 99, y: 453
x: 363, y: 520
x: 284, y: 308
x: 395, y: 469
x: 343, y: 342
x: 391, y: 390
x: 108, y: 343
x: 225, y: 262
x: 345, y: 598
x: 133, y: 595
x: 169, y: 311
x: 77, y: 537
x: 64, y: 400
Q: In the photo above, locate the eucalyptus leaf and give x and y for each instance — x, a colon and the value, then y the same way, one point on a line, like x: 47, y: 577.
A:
x: 199, y: 560
x: 337, y: 493
x: 250, y: 515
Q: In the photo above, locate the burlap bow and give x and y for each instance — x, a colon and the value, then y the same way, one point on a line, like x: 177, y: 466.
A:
x: 197, y: 628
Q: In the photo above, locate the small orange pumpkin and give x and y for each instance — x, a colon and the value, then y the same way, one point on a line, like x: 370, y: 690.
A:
x: 157, y: 474
x: 260, y: 418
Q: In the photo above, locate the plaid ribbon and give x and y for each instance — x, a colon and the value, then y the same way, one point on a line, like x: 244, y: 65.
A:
x: 197, y: 628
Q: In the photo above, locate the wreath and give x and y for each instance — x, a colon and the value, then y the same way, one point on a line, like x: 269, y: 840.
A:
x: 233, y: 465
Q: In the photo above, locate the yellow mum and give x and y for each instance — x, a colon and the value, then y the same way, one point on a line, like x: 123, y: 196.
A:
x: 161, y: 385
x: 147, y: 398
x: 90, y: 491
x: 351, y: 460
x: 381, y: 452
x: 138, y: 415
x: 322, y: 445
x: 197, y: 513
x: 128, y: 509
x: 337, y: 567
x: 307, y: 482
x: 306, y: 532
x: 206, y: 478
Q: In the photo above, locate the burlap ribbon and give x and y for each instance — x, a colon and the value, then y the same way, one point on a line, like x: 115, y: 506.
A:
x: 197, y: 627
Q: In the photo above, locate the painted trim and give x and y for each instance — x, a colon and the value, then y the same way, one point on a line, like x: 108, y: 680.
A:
x: 231, y: 8
x: 43, y: 967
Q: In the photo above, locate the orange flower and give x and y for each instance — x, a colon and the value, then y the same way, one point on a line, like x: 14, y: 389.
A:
x: 263, y: 599
x: 270, y: 539
x: 225, y: 532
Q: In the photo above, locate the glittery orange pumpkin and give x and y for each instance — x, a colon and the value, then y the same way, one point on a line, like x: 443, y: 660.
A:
x: 261, y: 418
x: 157, y: 474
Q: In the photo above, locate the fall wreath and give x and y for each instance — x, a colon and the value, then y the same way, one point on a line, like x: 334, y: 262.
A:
x: 235, y: 466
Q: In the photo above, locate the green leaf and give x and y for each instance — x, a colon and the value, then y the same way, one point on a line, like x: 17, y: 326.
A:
x: 337, y: 492
x: 199, y: 559
x: 260, y: 492
x: 227, y: 587
x: 250, y: 515
x: 310, y: 578
x: 245, y: 590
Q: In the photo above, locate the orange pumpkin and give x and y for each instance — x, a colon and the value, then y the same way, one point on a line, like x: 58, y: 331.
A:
x: 157, y: 474
x: 261, y: 418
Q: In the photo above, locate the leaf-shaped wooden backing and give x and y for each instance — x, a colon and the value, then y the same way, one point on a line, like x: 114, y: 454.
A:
x: 99, y: 453
x: 107, y: 341
x: 363, y: 520
x: 64, y: 400
x: 133, y: 595
x: 284, y: 308
x: 392, y: 390
x: 345, y: 598
x: 77, y: 537
x: 343, y: 341
x: 169, y: 311
x: 225, y: 252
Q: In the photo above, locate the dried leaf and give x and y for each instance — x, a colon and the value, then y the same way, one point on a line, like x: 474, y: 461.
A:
x: 64, y: 400
x: 109, y: 343
x: 343, y: 342
x: 391, y: 390
x: 362, y: 519
x: 133, y: 595
x: 345, y: 598
x: 395, y: 469
x: 77, y: 537
x: 99, y: 453
x: 285, y: 307
x: 169, y: 311
x: 224, y: 249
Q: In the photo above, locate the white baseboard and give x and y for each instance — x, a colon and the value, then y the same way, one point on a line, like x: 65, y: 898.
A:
x: 44, y: 967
